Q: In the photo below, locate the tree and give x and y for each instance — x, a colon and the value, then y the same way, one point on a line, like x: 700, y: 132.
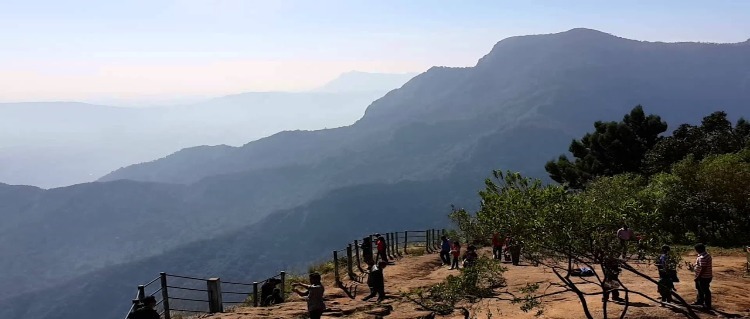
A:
x: 559, y: 228
x: 707, y: 200
x: 613, y: 148
x: 714, y: 136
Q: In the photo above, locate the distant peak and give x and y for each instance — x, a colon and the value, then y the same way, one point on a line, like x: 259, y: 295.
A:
x: 584, y: 31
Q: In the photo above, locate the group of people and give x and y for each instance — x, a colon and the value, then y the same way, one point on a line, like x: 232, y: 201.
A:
x: 507, y: 248
x: 703, y: 267
x: 448, y: 250
x: 313, y: 292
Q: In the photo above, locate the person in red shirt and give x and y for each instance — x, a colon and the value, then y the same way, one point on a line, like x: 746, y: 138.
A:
x: 497, y: 246
x: 456, y: 252
x: 380, y: 244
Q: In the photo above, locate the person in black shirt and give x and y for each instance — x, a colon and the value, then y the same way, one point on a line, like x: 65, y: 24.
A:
x: 147, y: 311
x: 266, y: 291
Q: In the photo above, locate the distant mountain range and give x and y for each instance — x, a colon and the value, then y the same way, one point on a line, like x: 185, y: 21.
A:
x: 283, y: 200
x: 54, y: 144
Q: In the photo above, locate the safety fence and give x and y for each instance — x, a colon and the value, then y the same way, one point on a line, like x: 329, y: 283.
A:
x: 186, y: 294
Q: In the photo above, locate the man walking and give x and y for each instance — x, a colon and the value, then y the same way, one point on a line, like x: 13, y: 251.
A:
x: 703, y: 276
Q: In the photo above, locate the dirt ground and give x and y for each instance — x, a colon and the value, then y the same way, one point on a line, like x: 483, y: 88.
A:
x: 730, y: 290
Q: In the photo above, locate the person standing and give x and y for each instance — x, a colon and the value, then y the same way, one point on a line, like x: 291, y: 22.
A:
x: 497, y: 246
x: 380, y: 244
x: 625, y: 234
x: 703, y: 276
x: 456, y: 252
x: 445, y: 250
x: 611, y: 280
x: 314, y: 293
x: 376, y: 282
x: 666, y: 279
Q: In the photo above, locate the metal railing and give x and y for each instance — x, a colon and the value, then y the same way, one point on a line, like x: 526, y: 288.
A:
x: 187, y: 294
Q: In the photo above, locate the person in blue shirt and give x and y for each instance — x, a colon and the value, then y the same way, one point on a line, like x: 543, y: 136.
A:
x: 445, y: 251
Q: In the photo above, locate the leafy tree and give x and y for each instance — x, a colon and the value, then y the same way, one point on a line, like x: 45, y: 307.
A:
x: 714, y: 136
x: 560, y: 229
x: 707, y: 200
x: 613, y: 148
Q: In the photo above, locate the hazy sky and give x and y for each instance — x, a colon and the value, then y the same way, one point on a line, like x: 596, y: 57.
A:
x: 84, y: 50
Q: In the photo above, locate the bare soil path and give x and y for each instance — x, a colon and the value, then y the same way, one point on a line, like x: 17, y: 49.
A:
x: 731, y: 290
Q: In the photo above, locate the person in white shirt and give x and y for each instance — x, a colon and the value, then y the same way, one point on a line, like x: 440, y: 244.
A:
x: 625, y: 234
x: 314, y: 294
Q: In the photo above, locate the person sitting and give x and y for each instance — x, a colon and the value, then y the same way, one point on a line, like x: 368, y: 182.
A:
x: 266, y: 291
x: 275, y: 298
x: 471, y: 256
x: 147, y: 311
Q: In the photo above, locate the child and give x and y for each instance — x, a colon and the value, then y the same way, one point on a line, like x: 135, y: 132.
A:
x: 666, y: 281
x: 456, y: 252
x: 314, y: 294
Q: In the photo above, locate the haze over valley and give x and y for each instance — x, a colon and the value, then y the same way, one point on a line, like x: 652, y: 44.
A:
x: 53, y: 144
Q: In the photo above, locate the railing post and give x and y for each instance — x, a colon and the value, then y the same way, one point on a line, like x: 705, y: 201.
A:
x: 164, y: 295
x: 255, y: 294
x: 396, y: 245
x: 350, y: 262
x: 388, y: 248
x: 356, y: 253
x: 434, y: 233
x: 336, y: 266
x: 215, y: 304
x: 141, y: 292
x: 406, y: 241
x: 282, y: 276
x: 427, y: 241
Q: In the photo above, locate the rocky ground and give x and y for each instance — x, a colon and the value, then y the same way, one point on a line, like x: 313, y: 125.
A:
x: 730, y: 288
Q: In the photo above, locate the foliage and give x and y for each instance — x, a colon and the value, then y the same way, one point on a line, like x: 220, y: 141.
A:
x: 708, y: 199
x: 473, y: 283
x: 560, y: 229
x: 613, y: 148
x: 714, y: 136
x: 530, y: 300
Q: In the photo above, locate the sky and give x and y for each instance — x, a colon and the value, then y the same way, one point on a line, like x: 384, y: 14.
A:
x: 167, y: 49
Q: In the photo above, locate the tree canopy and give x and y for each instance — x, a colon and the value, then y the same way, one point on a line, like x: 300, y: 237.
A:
x: 613, y: 148
x: 715, y: 135
x: 561, y: 230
